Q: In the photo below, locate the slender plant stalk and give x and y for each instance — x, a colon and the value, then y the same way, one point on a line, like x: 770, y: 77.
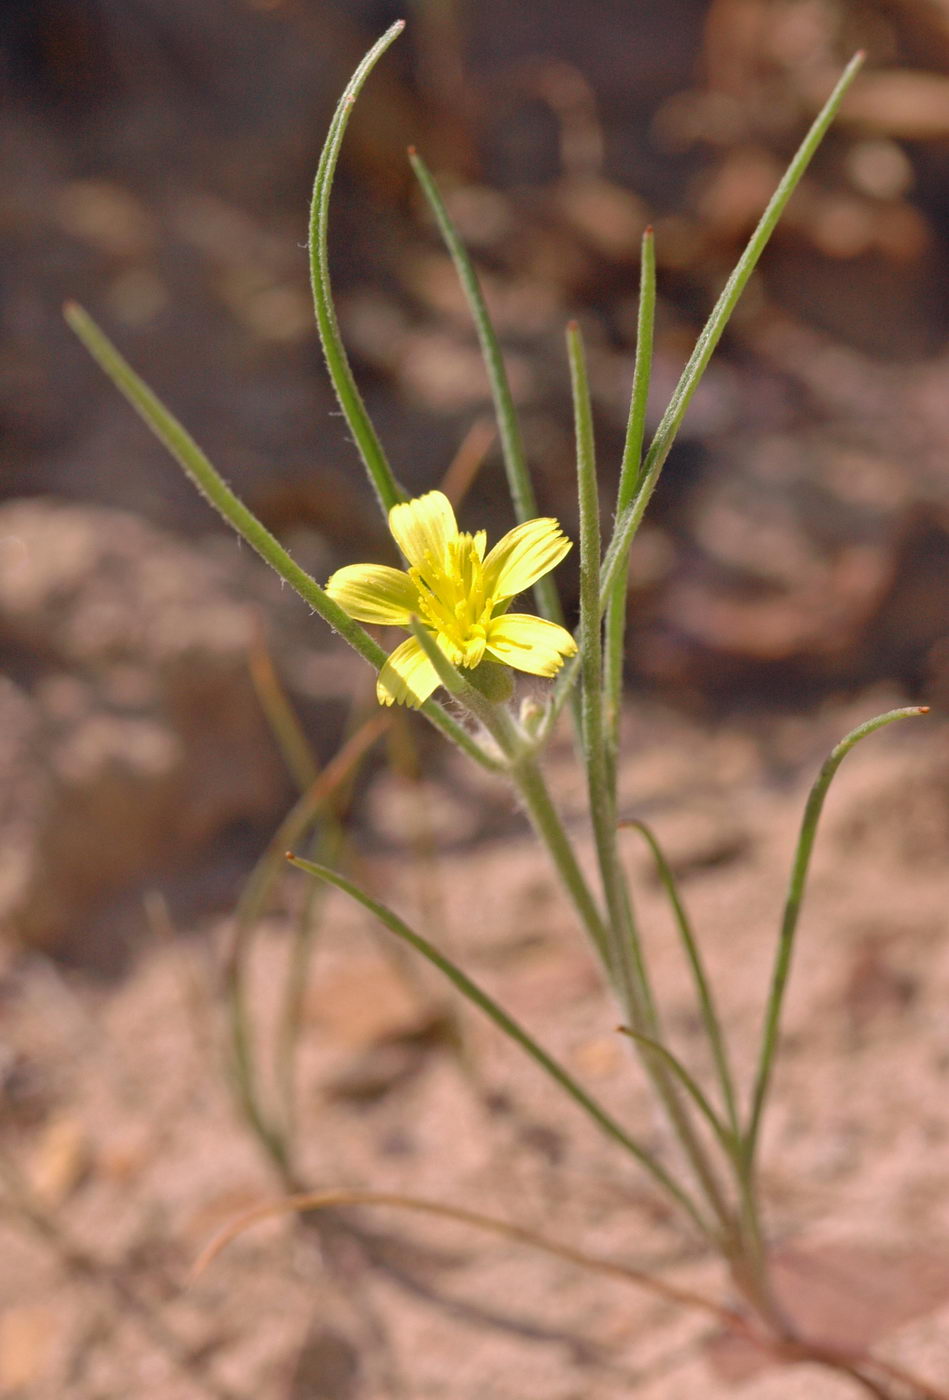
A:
x: 628, y: 523
x: 562, y: 692
x: 213, y: 487
x: 367, y: 440
x: 323, y: 1200
x: 602, y: 811
x: 733, y: 1321
x: 628, y: 481
x: 519, y: 481
x: 626, y: 963
x: 689, y: 1084
x: 514, y: 1031
x: 522, y: 765
x: 304, y: 768
x: 548, y: 824
x: 284, y: 724
x: 250, y: 909
x: 327, y: 847
x: 328, y: 844
x: 706, y: 999
x: 792, y: 910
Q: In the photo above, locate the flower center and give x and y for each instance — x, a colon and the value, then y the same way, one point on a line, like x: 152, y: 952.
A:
x: 452, y: 600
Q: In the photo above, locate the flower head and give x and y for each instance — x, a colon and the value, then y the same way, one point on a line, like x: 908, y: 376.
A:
x: 459, y: 594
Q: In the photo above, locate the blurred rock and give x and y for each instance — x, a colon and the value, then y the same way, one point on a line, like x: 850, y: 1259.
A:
x: 27, y: 1336
x: 59, y: 1162
x: 130, y: 736
x: 371, y: 1002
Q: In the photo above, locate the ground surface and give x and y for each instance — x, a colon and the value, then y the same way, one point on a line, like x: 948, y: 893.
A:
x: 128, y: 1144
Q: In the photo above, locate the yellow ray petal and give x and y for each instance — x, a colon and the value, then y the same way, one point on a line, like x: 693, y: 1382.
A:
x: 374, y: 593
x: 523, y: 556
x: 530, y: 644
x: 407, y: 678
x: 423, y: 528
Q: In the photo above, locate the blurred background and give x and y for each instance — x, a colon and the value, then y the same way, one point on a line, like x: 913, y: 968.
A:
x: 156, y: 165
x: 157, y: 160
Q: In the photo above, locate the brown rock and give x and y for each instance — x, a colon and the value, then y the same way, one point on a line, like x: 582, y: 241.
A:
x: 142, y: 738
x: 26, y: 1337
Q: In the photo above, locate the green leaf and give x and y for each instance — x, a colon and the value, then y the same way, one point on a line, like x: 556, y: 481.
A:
x: 213, y: 487
x: 629, y: 478
x: 510, y: 1027
x: 792, y: 910
x: 367, y: 440
x: 518, y: 477
x: 713, y: 1028
x: 628, y: 523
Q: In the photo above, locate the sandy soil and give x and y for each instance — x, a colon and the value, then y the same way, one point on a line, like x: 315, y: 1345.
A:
x: 128, y: 1148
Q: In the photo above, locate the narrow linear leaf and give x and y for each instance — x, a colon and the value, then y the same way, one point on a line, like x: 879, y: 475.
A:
x: 689, y: 1084
x: 519, y: 481
x: 315, y: 802
x: 367, y: 439
x: 627, y: 967
x: 629, y: 479
x: 628, y: 523
x: 792, y: 910
x: 213, y: 487
x: 511, y: 1028
x: 642, y: 375
x: 589, y: 501
x: 710, y: 1017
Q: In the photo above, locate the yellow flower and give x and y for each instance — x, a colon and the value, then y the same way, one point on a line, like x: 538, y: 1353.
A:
x: 460, y: 595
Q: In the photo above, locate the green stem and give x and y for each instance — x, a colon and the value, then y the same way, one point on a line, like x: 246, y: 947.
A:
x: 628, y: 523
x: 625, y: 961
x: 547, y: 823
x: 521, y: 762
x: 689, y: 1084
x: 562, y: 692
